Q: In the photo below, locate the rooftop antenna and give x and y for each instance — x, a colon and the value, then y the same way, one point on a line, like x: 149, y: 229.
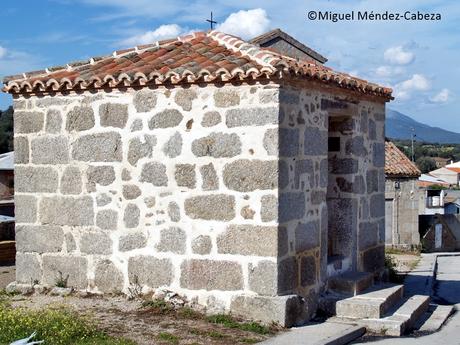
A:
x: 211, y: 22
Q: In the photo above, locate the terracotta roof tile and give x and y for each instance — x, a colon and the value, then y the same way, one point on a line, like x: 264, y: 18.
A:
x: 198, y: 57
x: 397, y: 164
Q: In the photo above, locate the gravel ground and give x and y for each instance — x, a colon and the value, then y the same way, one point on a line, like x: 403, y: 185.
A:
x: 127, y: 318
x: 7, y: 275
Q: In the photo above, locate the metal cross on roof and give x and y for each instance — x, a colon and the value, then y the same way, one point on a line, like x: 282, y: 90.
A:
x: 211, y: 21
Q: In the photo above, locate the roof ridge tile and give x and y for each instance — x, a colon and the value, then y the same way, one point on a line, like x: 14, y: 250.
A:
x: 231, y: 42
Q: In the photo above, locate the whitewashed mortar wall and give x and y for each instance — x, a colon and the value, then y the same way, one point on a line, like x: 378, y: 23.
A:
x: 44, y: 149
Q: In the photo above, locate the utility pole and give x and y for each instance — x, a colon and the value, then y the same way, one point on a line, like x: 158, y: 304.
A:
x: 412, y: 142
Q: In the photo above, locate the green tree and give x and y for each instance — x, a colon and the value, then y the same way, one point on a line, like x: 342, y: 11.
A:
x: 6, y: 130
x: 425, y: 164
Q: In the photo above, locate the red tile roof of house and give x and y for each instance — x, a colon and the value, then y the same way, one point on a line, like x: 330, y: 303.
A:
x: 397, y: 164
x: 195, y: 58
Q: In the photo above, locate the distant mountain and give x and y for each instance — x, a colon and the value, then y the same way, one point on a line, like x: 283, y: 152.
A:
x: 399, y: 126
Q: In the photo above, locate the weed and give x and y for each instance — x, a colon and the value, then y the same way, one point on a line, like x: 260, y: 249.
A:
x: 216, y: 335
x: 229, y: 322
x: 159, y: 305
x: 390, y: 265
x: 189, y: 313
x: 134, y: 289
x: 61, y: 281
x: 250, y: 340
x: 168, y: 337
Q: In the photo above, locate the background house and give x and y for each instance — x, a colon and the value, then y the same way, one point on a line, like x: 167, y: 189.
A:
x: 440, y: 233
x: 7, y: 233
x: 402, y: 197
x: 449, y: 175
x: 6, y: 175
x: 441, y: 162
x: 426, y: 180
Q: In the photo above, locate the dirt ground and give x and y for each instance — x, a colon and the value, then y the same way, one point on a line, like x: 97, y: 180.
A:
x: 7, y: 275
x: 128, y: 318
x: 405, y: 262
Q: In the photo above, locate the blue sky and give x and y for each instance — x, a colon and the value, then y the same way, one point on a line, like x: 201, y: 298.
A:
x: 419, y: 59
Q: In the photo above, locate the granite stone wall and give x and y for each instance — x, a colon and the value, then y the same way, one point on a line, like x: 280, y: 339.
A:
x: 356, y: 186
x: 218, y: 193
x: 331, y: 192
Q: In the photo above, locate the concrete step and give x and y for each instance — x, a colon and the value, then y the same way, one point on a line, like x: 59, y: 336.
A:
x: 325, y: 333
x: 434, y: 318
x: 401, y: 319
x: 373, y: 303
x: 352, y: 283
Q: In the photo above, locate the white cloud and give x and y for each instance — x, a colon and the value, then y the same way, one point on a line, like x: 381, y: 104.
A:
x: 417, y: 82
x: 405, y: 89
x: 2, y: 52
x: 160, y: 33
x: 388, y: 71
x: 441, y: 97
x: 246, y: 24
x: 398, y: 56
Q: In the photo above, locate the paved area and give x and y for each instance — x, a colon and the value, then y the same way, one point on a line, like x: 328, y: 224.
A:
x: 7, y: 275
x: 447, y: 290
x: 420, y: 280
x: 447, y: 287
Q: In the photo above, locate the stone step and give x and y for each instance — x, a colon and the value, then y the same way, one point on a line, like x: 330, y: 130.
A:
x: 373, y: 303
x: 351, y: 282
x: 400, y: 320
x: 434, y: 318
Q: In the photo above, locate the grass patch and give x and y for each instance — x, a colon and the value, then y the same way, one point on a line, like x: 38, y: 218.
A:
x: 216, y: 335
x: 159, y: 306
x: 54, y: 326
x: 211, y: 334
x: 189, y: 313
x: 5, y: 298
x: 396, y: 251
x: 229, y: 322
x: 168, y: 337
